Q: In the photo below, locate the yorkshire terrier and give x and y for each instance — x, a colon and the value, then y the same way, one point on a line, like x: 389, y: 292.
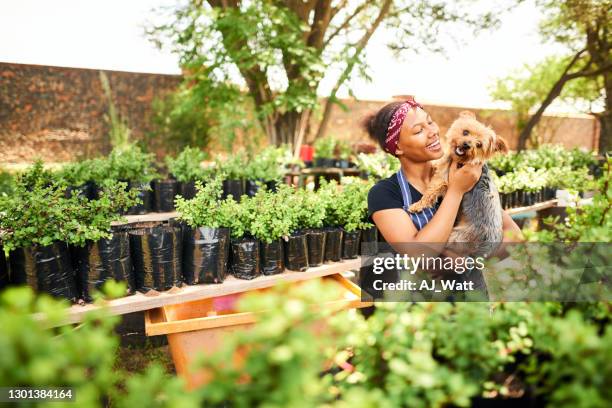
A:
x: 479, y: 221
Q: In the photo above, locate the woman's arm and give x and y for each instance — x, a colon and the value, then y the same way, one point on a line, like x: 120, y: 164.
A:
x: 512, y: 232
x: 397, y: 228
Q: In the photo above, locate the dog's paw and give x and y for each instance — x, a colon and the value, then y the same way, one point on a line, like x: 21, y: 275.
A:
x: 416, y: 207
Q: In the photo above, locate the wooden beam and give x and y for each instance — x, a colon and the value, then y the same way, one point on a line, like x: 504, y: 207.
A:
x: 139, y: 302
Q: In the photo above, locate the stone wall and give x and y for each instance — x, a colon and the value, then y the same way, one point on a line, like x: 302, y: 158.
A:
x: 59, y: 113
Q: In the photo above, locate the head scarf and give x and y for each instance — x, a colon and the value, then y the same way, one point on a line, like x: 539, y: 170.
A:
x: 395, y: 125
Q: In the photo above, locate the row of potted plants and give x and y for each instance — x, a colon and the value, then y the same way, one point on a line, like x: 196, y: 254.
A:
x: 39, y: 223
x: 528, y: 186
x: 545, y: 157
x: 69, y: 249
x: 264, y: 234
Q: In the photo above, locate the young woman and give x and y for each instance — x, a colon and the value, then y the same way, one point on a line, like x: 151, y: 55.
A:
x: 407, y: 131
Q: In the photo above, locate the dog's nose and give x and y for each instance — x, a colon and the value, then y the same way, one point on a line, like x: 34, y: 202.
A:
x: 465, y: 146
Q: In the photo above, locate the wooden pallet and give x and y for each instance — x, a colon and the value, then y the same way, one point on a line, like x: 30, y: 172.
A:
x: 139, y: 302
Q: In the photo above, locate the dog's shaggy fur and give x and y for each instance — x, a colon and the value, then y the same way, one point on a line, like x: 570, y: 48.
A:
x: 479, y: 221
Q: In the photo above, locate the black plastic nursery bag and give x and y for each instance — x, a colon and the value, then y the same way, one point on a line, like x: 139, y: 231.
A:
x: 46, y: 269
x: 316, y: 247
x: 97, y: 262
x: 156, y: 256
x: 333, y: 244
x: 350, y: 244
x: 144, y: 194
x: 245, y: 261
x: 272, y: 255
x: 165, y: 191
x: 205, y: 254
x: 296, y: 250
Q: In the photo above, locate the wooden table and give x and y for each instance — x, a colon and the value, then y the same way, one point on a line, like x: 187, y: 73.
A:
x: 535, y: 207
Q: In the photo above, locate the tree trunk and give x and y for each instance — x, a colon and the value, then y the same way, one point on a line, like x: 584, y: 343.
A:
x: 605, y: 118
x: 289, y: 128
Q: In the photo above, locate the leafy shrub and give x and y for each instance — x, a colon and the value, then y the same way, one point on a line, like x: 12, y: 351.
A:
x: 186, y: 166
x: 234, y: 167
x: 131, y: 164
x: 352, y: 208
x: 202, y: 210
x: 378, y: 165
x: 35, y: 354
x: 39, y: 213
x: 7, y: 182
x: 270, y: 164
x: 588, y: 223
x: 324, y: 147
x: 274, y: 213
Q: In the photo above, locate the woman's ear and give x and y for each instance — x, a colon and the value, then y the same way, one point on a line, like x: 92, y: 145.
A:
x: 501, y: 146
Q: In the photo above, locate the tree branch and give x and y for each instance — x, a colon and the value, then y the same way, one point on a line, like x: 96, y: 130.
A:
x: 359, y: 47
x: 344, y: 24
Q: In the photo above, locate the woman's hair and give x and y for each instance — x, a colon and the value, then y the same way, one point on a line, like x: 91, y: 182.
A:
x: 376, y: 124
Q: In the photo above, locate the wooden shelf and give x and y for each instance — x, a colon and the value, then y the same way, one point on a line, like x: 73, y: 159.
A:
x: 139, y: 302
x: 148, y: 217
x: 536, y: 207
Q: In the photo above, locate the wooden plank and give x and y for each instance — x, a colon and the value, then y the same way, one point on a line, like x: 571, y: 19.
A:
x: 148, y: 217
x: 139, y: 302
x: 536, y: 207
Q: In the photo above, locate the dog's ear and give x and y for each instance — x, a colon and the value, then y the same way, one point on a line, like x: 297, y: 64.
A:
x: 501, y: 146
x: 467, y: 114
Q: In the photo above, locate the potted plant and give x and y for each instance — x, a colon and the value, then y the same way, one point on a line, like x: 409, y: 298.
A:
x: 206, y: 238
x: 233, y: 169
x: 267, y: 168
x: 310, y: 211
x: 324, y: 152
x: 270, y: 225
x: 330, y: 200
x: 186, y: 168
x: 352, y: 210
x: 343, y: 152
x: 132, y: 165
x: 78, y: 178
x: 245, y: 260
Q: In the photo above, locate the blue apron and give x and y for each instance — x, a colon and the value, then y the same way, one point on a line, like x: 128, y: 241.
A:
x: 419, y: 219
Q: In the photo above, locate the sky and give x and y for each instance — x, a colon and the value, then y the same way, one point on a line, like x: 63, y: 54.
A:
x: 109, y: 34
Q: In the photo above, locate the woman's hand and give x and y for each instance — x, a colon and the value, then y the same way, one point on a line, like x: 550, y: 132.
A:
x: 463, y: 179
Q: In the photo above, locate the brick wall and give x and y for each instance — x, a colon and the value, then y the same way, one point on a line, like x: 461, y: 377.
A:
x: 569, y: 130
x: 59, y: 113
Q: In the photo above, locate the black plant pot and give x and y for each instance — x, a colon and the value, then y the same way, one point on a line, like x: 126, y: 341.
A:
x: 296, y: 252
x: 165, y: 191
x: 315, y: 240
x: 333, y: 244
x: 245, y: 258
x: 4, y: 275
x: 343, y: 164
x: 272, y: 257
x: 46, y: 269
x: 84, y: 190
x: 252, y: 187
x: 350, y: 244
x: 157, y: 256
x: 234, y: 188
x: 186, y: 189
x: 369, y: 241
x: 272, y: 185
x: 97, y: 262
x: 205, y: 254
x: 324, y: 162
x: 145, y: 195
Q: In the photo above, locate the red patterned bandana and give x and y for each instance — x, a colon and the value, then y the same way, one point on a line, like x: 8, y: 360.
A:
x: 393, y: 131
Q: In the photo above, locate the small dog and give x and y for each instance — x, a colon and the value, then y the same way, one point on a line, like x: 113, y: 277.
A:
x: 479, y: 222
